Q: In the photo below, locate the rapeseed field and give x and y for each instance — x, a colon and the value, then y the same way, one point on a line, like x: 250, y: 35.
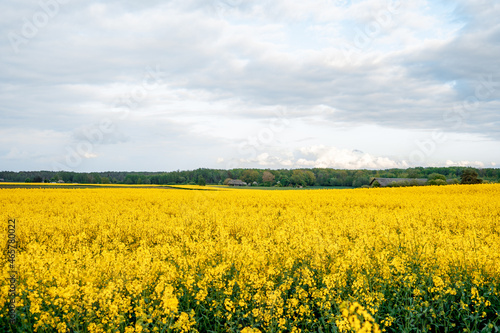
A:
x: 171, y: 260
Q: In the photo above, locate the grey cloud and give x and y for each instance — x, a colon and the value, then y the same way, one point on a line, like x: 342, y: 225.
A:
x: 239, y: 66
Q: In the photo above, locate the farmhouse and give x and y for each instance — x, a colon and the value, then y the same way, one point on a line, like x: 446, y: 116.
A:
x: 236, y: 182
x: 386, y: 181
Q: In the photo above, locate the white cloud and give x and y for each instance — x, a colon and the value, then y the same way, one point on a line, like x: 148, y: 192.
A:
x: 226, y: 63
x: 332, y: 157
x: 89, y: 155
x: 16, y: 154
x: 321, y: 157
x: 476, y: 164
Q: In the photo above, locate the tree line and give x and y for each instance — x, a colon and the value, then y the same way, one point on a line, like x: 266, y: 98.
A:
x: 263, y: 177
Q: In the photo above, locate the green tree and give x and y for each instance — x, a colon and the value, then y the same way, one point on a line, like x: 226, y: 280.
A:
x: 309, y: 178
x: 414, y: 173
x: 105, y: 180
x: 298, y: 178
x: 436, y: 179
x: 131, y: 179
x: 250, y: 176
x: 201, y: 181
x: 437, y: 182
x: 469, y: 176
x: 284, y: 180
x: 361, y: 181
x: 434, y: 176
x: 95, y: 178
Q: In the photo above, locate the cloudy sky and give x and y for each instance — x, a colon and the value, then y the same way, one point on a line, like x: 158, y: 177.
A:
x: 181, y: 84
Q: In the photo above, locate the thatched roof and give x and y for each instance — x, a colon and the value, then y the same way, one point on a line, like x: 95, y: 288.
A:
x: 386, y: 181
x: 236, y: 182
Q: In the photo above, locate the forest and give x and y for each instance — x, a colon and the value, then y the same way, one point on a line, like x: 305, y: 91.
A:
x: 263, y: 177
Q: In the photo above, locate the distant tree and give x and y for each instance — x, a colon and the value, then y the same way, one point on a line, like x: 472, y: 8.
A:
x: 322, y: 177
x: 341, y: 178
x: 27, y: 180
x: 201, y: 181
x: 414, y: 173
x: 95, y: 178
x: 105, y: 180
x: 436, y: 176
x: 268, y: 178
x: 376, y: 184
x: 309, y: 178
x: 80, y: 178
x: 403, y: 183
x: 226, y: 181
x: 361, y: 181
x: 131, y: 179
x: 37, y: 179
x: 469, y: 176
x: 437, y: 182
x: 144, y: 180
x: 436, y: 179
x: 334, y: 181
x: 414, y: 182
x: 297, y: 178
x: 284, y: 180
x: 250, y: 176
x: 389, y: 175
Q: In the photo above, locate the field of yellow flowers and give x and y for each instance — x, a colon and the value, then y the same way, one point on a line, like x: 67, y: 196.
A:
x: 172, y: 260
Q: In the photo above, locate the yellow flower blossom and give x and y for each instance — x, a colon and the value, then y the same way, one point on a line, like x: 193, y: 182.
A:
x: 191, y: 259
